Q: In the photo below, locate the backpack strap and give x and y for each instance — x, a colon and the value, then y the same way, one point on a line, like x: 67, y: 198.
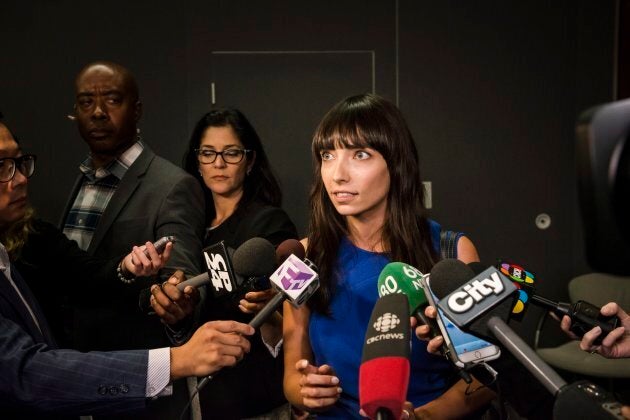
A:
x: 448, y: 243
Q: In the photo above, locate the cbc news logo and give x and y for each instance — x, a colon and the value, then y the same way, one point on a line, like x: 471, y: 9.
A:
x: 386, y: 322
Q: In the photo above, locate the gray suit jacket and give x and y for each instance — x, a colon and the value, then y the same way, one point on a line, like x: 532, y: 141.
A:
x: 155, y: 198
x: 37, y: 378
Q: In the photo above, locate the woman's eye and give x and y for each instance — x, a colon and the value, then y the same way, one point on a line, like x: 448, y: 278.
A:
x: 362, y: 154
x: 326, y: 155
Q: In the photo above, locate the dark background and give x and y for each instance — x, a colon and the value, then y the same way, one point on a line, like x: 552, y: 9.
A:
x: 491, y: 91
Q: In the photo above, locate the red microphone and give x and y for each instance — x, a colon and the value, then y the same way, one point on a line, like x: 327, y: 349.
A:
x: 384, y: 371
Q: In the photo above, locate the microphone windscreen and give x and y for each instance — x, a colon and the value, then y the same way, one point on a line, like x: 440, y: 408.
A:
x: 255, y: 257
x: 288, y: 247
x: 384, y: 371
x: 448, y: 275
x: 397, y: 277
x: 477, y: 267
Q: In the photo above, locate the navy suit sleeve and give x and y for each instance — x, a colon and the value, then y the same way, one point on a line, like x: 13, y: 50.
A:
x: 36, y: 378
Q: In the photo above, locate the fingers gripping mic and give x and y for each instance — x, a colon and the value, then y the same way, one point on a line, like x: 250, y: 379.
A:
x: 295, y: 280
x: 584, y: 316
x: 384, y: 371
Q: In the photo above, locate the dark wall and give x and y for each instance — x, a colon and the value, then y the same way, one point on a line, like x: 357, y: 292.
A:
x: 491, y: 91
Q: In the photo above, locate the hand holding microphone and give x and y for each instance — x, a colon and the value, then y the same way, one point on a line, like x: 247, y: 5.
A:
x: 171, y: 303
x: 146, y: 260
x: 615, y: 344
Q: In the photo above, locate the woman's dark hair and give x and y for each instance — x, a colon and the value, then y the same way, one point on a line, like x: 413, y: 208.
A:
x: 260, y: 184
x: 369, y: 121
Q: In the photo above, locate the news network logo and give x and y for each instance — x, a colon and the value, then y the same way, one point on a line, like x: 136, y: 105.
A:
x: 294, y: 277
x: 384, y: 324
x: 405, y: 272
x: 219, y: 268
x: 479, y: 295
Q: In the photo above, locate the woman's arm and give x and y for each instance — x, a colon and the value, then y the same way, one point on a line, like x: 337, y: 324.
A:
x: 466, y: 251
x: 306, y: 386
x: 455, y: 403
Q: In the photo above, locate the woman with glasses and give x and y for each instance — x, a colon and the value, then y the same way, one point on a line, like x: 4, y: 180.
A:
x: 243, y: 201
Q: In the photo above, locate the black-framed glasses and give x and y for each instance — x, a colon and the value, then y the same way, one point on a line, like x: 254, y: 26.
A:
x: 228, y: 155
x: 25, y: 163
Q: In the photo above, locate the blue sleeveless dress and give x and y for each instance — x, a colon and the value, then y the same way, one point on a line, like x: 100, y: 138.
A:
x: 337, y: 340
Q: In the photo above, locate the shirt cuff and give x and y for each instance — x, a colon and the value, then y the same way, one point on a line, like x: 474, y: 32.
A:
x: 159, y: 373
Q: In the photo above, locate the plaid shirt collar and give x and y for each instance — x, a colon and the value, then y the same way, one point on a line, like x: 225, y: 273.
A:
x: 116, y: 167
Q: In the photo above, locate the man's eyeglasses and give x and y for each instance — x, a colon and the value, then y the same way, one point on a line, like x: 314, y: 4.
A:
x: 228, y: 155
x: 25, y: 163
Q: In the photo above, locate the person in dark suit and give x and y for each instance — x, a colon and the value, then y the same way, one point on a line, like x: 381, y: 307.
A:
x: 125, y: 194
x: 40, y: 380
x: 243, y: 201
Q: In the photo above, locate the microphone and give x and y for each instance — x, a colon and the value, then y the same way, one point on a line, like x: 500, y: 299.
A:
x: 295, y: 280
x: 485, y: 313
x: 288, y: 247
x: 398, y: 277
x: 220, y: 272
x: 253, y: 262
x: 384, y: 370
x: 522, y: 279
x: 584, y: 315
x: 468, y: 300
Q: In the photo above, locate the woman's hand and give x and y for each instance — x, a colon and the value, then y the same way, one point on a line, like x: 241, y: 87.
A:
x: 253, y: 302
x: 319, y: 387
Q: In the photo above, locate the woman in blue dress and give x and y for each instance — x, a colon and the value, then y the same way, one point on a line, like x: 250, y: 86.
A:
x: 367, y: 210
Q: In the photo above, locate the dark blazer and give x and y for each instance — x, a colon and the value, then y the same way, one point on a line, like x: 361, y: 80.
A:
x: 254, y: 386
x: 38, y: 380
x: 155, y: 198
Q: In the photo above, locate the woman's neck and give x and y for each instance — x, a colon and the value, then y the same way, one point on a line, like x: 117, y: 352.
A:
x: 366, y: 234
x: 224, y: 207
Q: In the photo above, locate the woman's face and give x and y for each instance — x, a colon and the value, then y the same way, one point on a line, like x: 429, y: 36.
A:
x: 356, y: 180
x: 224, y: 179
x: 13, y: 194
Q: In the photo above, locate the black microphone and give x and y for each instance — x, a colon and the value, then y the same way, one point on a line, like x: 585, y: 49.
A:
x: 468, y: 300
x: 384, y: 370
x: 398, y: 277
x: 253, y: 262
x: 220, y: 272
x: 584, y: 315
x: 478, y: 304
x: 256, y: 255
